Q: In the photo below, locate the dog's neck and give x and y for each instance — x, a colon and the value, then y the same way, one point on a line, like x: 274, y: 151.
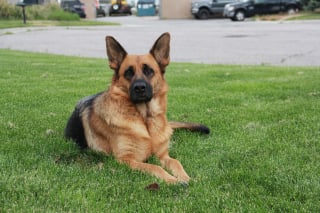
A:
x: 144, y: 110
x: 151, y: 109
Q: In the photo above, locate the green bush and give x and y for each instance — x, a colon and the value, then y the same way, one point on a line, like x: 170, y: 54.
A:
x: 9, y: 11
x: 311, y: 5
x: 36, y: 12
x: 60, y: 15
x: 49, y: 12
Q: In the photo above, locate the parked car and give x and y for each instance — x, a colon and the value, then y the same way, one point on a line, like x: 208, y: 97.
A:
x: 238, y: 11
x: 74, y: 6
x: 119, y: 7
x: 100, y: 11
x: 32, y: 2
x: 103, y: 7
x: 203, y: 9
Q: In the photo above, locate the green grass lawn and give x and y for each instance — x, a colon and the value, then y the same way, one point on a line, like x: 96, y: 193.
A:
x: 306, y: 16
x: 302, y: 16
x: 45, y: 23
x: 263, y: 154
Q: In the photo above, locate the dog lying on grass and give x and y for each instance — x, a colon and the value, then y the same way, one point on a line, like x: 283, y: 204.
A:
x: 128, y: 120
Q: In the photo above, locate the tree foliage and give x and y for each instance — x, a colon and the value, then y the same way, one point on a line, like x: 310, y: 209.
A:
x: 311, y: 4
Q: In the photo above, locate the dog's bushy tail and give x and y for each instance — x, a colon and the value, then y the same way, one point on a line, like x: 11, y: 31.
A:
x: 190, y: 126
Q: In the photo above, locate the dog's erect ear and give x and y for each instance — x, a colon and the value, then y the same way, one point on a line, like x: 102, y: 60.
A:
x: 161, y: 50
x: 116, y: 53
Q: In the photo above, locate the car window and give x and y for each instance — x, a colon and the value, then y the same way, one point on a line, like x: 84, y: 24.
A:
x: 222, y: 1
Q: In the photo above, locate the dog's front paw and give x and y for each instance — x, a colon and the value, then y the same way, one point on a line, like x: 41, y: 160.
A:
x: 172, y: 180
x: 183, y: 179
x: 184, y: 184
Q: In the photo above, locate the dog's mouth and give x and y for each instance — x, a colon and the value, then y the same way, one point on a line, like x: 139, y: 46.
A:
x: 140, y: 91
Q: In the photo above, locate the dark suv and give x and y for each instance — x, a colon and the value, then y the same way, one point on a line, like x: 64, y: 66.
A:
x: 74, y: 6
x: 203, y: 9
x: 239, y: 10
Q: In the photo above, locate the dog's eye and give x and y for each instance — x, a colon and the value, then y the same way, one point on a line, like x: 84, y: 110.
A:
x: 129, y: 73
x: 147, y: 71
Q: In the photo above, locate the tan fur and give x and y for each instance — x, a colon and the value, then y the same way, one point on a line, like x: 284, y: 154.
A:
x: 133, y: 132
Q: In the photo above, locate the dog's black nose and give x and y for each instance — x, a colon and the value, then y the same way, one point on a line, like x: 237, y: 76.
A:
x: 140, y: 91
x: 140, y: 87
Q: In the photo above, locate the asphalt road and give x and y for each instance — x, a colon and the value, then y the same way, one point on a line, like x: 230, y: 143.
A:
x: 215, y: 41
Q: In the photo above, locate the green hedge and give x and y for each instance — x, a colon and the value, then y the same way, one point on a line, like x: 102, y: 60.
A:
x: 312, y: 5
x: 36, y: 12
x: 9, y: 11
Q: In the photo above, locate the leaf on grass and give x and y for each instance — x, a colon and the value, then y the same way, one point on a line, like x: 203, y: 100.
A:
x: 314, y: 93
x: 49, y: 132
x: 52, y: 114
x: 153, y: 187
x: 57, y: 159
x: 100, y: 165
x: 11, y: 125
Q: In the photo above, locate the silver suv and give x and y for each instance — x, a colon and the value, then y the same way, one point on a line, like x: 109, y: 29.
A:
x: 203, y: 9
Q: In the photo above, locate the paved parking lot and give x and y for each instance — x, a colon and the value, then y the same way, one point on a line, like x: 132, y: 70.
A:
x: 217, y: 41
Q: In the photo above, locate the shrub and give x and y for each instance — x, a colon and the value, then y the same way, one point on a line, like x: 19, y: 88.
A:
x: 49, y: 12
x: 9, y: 11
x: 61, y: 15
x: 36, y: 12
x: 311, y: 4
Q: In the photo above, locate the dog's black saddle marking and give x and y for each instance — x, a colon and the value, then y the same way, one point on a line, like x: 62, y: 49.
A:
x: 74, y: 129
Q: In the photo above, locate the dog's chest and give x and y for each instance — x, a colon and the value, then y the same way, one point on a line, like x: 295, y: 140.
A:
x: 155, y: 122
x: 143, y: 111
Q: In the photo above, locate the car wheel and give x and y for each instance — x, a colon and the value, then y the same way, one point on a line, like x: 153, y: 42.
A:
x: 291, y: 10
x: 203, y: 14
x: 239, y: 16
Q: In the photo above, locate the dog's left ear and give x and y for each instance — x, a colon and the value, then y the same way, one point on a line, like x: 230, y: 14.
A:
x: 116, y: 53
x: 161, y: 51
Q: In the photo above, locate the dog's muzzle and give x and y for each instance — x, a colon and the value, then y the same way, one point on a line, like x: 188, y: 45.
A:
x: 140, y: 91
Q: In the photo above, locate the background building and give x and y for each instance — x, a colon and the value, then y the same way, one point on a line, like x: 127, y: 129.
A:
x: 175, y: 9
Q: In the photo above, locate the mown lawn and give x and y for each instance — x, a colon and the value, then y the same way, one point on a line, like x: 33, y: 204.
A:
x: 263, y: 153
x: 302, y: 16
x: 46, y: 23
x: 307, y: 16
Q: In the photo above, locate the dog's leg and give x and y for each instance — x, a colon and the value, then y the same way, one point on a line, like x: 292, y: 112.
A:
x: 175, y: 167
x: 151, y: 169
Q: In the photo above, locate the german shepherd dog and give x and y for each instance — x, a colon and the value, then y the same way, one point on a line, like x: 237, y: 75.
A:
x: 128, y: 120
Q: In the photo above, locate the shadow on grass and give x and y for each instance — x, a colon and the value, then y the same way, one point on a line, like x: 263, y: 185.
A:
x: 84, y: 157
